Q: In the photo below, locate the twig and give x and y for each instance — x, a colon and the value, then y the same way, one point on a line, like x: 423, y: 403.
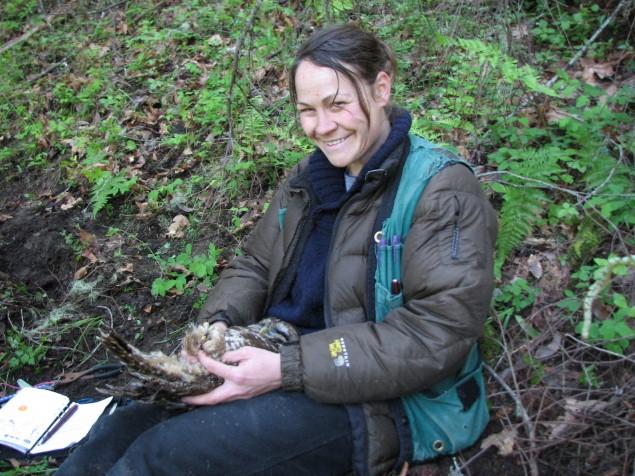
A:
x: 144, y: 13
x: 607, y: 179
x: 26, y: 35
x: 541, y: 182
x: 533, y: 466
x: 589, y: 42
x: 47, y: 70
x: 600, y: 349
x: 237, y: 47
x: 105, y: 9
x: 112, y: 323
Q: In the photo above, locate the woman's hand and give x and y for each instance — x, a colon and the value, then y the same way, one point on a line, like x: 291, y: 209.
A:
x: 258, y: 371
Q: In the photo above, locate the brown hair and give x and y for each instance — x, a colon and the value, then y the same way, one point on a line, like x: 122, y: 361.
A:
x: 348, y: 50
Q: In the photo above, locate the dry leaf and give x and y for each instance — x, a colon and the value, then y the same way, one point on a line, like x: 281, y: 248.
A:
x: 545, y: 351
x: 520, y: 31
x: 573, y: 421
x: 147, y: 308
x: 127, y: 268
x: 180, y: 268
x: 179, y: 223
x: 535, y: 268
x: 80, y: 273
x: 4, y: 217
x: 504, y: 441
x: 601, y: 70
x: 90, y: 256
x: 86, y: 237
x: 70, y: 202
x: 554, y: 115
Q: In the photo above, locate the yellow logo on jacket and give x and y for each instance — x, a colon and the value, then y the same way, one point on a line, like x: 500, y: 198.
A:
x: 338, y: 352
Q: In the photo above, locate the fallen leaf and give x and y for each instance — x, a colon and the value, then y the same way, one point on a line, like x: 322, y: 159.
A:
x: 90, y: 256
x: 554, y: 115
x: 70, y: 202
x: 179, y: 223
x: 4, y: 217
x: 535, y: 268
x: 602, y: 70
x: 504, y: 441
x: 147, y: 308
x: 180, y: 268
x: 86, y: 237
x: 574, y: 419
x: 520, y: 31
x: 127, y: 268
x: 545, y: 351
x: 80, y: 273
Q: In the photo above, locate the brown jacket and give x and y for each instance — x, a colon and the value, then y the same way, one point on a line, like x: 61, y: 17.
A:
x: 447, y: 285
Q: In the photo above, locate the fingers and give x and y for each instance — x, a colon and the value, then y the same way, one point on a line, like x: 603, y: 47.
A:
x: 215, y: 367
x: 224, y: 393
x: 187, y: 357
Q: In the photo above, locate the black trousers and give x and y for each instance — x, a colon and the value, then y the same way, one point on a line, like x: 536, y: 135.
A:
x: 278, y: 433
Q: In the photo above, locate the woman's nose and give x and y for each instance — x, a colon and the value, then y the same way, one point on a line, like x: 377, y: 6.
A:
x: 325, y: 123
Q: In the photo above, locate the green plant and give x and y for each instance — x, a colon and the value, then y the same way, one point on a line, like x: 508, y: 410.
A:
x: 186, y: 270
x: 106, y: 185
x: 617, y: 330
x: 43, y: 467
x: 22, y: 353
x: 513, y: 298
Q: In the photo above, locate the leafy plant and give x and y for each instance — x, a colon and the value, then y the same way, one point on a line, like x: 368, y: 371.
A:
x: 513, y: 298
x: 185, y: 270
x: 107, y: 185
x: 22, y: 353
x: 615, y: 331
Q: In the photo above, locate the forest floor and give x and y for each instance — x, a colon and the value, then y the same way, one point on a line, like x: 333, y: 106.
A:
x: 140, y: 141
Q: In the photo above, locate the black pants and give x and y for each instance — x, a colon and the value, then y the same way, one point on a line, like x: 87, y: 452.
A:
x: 277, y: 433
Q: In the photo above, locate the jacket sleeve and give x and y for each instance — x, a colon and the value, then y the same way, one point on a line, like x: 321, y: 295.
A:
x: 239, y: 296
x: 447, y: 282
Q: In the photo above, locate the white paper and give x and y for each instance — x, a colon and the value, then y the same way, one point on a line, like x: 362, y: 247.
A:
x: 25, y: 417
x: 76, y: 428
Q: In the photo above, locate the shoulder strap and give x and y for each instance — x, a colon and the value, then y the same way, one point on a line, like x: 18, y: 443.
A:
x: 424, y: 161
x: 396, y: 213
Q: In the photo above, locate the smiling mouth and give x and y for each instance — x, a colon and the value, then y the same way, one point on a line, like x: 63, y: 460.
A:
x: 333, y: 143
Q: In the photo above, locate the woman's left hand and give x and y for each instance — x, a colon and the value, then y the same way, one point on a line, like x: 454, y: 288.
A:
x: 257, y: 371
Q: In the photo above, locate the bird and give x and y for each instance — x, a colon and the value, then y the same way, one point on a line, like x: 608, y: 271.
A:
x: 159, y: 378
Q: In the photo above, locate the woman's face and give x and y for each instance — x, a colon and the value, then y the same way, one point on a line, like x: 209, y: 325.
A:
x: 332, y: 116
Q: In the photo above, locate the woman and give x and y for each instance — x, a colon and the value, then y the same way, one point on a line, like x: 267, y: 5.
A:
x: 328, y: 404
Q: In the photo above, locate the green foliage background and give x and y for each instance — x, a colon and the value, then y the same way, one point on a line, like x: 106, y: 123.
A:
x: 148, y: 109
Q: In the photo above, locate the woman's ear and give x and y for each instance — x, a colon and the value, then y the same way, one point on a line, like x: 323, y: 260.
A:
x: 382, y: 88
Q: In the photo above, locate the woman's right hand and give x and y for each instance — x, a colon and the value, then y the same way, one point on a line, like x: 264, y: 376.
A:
x: 220, y: 325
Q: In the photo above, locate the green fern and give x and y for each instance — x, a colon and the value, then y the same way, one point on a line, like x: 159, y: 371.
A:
x: 525, y: 171
x: 521, y: 211
x: 509, y: 69
x: 108, y: 186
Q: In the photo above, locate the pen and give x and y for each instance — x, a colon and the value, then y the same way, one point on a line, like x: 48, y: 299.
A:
x: 63, y: 419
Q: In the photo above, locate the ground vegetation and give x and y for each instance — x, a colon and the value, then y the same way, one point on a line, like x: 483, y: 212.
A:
x: 140, y: 142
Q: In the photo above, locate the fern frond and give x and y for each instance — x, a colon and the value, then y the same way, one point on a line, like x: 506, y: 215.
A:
x: 522, y: 209
x: 108, y: 186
